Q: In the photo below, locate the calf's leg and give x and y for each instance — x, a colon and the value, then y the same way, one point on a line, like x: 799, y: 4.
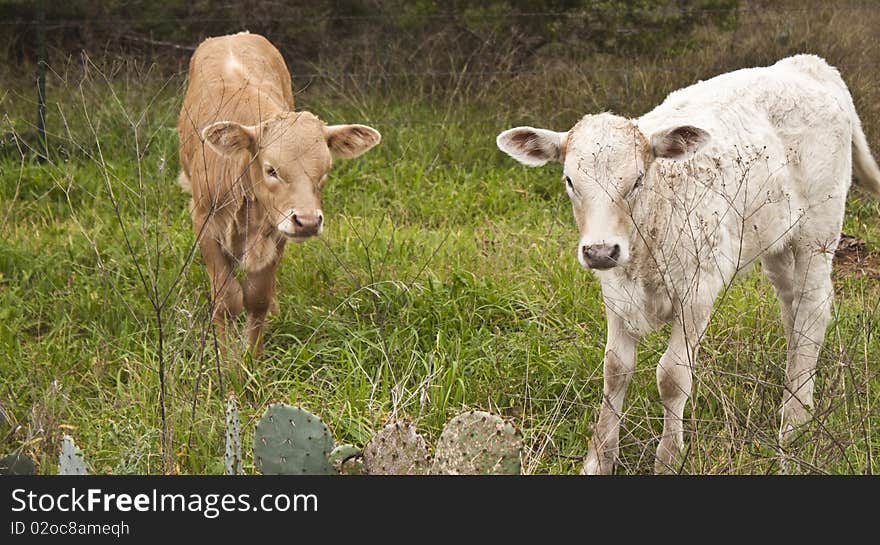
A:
x: 675, y: 381
x: 618, y: 368
x: 779, y: 269
x: 811, y: 309
x: 226, y: 293
x: 259, y: 293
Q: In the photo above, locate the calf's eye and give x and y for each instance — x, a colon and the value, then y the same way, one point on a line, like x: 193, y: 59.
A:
x: 271, y: 172
x: 569, y: 187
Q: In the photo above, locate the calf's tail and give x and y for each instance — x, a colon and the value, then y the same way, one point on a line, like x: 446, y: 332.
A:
x: 866, y: 170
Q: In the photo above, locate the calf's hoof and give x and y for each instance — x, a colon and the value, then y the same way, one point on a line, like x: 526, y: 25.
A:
x: 596, y: 465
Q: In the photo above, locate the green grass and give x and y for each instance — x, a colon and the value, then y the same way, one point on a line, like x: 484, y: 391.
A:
x: 446, y: 279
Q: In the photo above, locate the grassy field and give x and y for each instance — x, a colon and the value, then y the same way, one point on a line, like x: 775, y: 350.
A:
x: 446, y: 278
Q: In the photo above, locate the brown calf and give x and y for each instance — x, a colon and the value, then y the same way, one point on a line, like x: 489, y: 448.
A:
x: 255, y: 169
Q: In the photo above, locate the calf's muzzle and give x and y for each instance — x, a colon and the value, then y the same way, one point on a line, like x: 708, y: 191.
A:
x: 601, y: 256
x: 301, y: 225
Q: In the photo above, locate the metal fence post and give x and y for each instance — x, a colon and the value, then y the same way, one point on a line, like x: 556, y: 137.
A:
x: 41, y: 79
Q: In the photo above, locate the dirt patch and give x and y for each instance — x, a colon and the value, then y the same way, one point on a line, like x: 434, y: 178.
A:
x: 854, y: 258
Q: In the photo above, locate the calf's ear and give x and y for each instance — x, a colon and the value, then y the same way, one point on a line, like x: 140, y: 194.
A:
x: 349, y: 141
x: 679, y: 142
x: 531, y: 146
x: 227, y: 137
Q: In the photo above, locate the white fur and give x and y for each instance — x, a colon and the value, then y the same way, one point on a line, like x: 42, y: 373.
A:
x: 541, y: 147
x: 767, y: 181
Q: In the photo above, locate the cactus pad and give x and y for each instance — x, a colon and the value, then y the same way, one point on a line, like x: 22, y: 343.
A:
x: 70, y: 461
x: 344, y: 460
x: 478, y: 443
x: 397, y: 449
x: 232, y: 455
x: 17, y: 464
x: 292, y: 441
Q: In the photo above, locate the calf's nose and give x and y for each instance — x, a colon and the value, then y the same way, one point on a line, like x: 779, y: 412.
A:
x: 306, y: 225
x: 601, y: 256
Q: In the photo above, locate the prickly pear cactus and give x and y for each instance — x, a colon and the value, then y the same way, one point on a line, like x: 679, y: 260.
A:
x: 292, y: 441
x: 344, y: 460
x: 232, y: 455
x: 478, y: 443
x: 17, y: 464
x: 397, y: 449
x: 70, y: 461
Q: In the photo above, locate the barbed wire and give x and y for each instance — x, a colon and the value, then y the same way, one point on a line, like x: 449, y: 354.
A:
x: 378, y: 74
x: 581, y: 13
x: 454, y: 73
x: 306, y: 76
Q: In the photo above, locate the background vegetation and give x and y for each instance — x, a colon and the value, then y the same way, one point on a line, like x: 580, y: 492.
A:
x: 446, y: 277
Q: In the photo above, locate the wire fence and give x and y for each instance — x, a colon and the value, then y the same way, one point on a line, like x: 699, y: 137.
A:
x: 304, y: 75
x: 760, y: 14
x: 377, y: 74
x: 390, y: 17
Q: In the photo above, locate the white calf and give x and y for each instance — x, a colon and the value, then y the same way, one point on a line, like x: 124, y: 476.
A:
x: 750, y: 165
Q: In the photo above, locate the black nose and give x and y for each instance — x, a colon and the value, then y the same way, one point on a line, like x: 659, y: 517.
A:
x: 601, y: 256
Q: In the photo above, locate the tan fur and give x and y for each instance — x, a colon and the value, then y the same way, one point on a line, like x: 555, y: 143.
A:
x: 255, y: 169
